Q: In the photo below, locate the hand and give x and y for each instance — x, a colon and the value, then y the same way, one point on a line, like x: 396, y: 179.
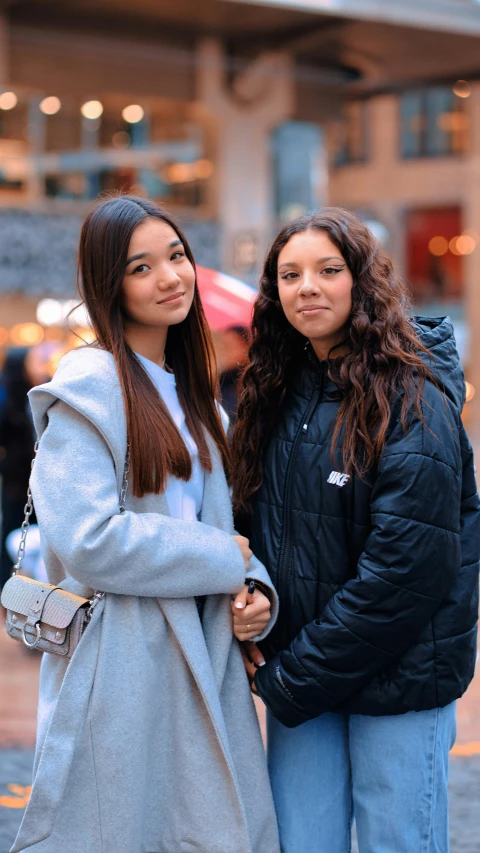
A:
x: 251, y: 614
x: 252, y: 659
x: 244, y: 546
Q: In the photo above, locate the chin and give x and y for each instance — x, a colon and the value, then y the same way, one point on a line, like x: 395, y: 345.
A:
x: 177, y: 317
x: 315, y: 331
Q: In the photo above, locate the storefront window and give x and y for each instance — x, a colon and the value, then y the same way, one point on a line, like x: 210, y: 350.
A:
x: 433, y: 123
x: 13, y: 142
x: 437, y: 243
x: 351, y: 140
x: 297, y: 149
x: 79, y: 149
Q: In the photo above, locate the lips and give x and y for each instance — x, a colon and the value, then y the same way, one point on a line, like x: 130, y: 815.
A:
x: 175, y: 297
x: 311, y: 309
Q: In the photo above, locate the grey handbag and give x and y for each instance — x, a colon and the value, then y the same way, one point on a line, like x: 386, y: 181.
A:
x: 43, y: 616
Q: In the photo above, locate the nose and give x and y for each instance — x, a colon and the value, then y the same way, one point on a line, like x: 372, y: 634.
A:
x: 168, y: 278
x: 310, y: 285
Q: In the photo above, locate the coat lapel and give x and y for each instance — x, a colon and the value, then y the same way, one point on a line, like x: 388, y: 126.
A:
x: 217, y: 507
x: 217, y: 617
x: 182, y: 616
x: 207, y: 650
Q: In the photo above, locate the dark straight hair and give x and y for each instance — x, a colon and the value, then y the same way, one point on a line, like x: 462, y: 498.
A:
x: 157, y: 448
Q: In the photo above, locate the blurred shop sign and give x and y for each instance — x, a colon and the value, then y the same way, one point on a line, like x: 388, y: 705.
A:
x: 245, y: 252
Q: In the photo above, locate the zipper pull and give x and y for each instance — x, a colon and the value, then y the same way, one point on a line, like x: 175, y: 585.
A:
x: 305, y: 427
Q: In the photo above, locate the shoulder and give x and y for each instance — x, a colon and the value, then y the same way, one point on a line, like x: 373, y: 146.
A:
x: 435, y: 435
x: 85, y: 361
x: 83, y: 374
x: 86, y: 380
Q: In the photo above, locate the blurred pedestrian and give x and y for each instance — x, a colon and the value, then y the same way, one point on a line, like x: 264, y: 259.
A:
x: 235, y: 343
x: 355, y: 481
x: 16, y: 447
x: 149, y: 740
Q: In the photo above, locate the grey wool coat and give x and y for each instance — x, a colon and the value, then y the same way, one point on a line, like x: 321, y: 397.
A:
x: 148, y: 741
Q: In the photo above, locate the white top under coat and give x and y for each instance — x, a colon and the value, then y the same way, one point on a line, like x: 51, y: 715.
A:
x: 184, y: 499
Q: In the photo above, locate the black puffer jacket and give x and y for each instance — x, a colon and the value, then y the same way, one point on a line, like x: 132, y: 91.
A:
x: 378, y: 579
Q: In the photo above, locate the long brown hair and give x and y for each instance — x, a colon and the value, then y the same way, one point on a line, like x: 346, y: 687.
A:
x: 382, y: 356
x: 157, y: 448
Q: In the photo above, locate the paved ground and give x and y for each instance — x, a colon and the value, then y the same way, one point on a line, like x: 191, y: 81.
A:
x: 18, y: 695
x: 15, y: 779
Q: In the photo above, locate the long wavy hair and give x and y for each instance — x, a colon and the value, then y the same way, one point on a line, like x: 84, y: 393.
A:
x: 382, y: 356
x: 157, y: 448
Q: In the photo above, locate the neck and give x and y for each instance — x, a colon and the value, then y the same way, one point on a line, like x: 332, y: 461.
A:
x: 322, y: 348
x: 148, y: 341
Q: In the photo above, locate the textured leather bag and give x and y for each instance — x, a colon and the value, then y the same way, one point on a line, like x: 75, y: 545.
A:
x: 43, y: 616
x: 46, y: 617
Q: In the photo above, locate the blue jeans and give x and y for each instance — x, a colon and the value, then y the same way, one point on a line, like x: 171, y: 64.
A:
x: 391, y: 772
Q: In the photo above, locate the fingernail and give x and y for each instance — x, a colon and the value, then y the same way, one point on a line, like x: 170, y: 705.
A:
x: 238, y: 605
x: 262, y: 664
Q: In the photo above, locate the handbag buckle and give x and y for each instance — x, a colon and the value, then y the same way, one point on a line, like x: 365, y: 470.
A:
x: 37, y: 638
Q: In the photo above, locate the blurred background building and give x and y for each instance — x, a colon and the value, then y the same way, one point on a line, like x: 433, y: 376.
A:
x: 238, y: 116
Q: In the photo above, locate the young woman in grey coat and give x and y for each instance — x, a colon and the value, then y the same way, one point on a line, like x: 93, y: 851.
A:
x: 148, y: 741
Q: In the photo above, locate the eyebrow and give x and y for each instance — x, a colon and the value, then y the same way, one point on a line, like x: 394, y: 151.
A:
x: 140, y: 255
x: 320, y: 261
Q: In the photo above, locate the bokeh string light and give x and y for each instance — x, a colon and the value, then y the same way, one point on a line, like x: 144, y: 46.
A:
x: 461, y: 244
x: 8, y: 100
x: 133, y: 114
x: 51, y: 105
x: 92, y: 109
x: 462, y: 89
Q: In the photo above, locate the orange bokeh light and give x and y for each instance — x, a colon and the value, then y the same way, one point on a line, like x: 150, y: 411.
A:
x: 438, y: 246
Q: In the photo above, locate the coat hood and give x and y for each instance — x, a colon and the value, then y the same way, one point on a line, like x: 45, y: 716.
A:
x: 86, y: 379
x: 437, y: 335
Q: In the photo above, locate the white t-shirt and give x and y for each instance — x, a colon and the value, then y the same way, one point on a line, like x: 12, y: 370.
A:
x: 184, y: 499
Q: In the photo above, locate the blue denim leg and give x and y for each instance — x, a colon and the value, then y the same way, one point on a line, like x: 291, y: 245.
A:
x: 310, y: 775
x: 399, y: 780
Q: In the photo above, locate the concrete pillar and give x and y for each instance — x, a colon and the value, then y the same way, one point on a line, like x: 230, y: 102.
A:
x: 383, y: 119
x: 260, y: 98
x: 36, y: 144
x: 4, y: 64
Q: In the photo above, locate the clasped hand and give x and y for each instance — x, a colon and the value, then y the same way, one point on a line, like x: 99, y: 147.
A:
x: 249, y: 620
x: 251, y: 613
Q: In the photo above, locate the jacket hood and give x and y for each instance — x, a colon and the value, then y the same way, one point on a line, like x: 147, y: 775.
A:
x: 86, y: 379
x: 437, y: 335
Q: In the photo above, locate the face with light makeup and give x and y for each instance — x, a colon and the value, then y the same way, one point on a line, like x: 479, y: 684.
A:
x: 315, y: 289
x: 159, y: 280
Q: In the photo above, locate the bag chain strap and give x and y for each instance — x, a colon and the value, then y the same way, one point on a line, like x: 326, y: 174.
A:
x: 124, y: 489
x: 28, y: 509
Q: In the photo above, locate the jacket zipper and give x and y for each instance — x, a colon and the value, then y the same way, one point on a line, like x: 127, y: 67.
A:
x: 284, y: 559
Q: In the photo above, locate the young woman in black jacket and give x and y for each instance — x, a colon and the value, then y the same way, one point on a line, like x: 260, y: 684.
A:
x: 354, y: 480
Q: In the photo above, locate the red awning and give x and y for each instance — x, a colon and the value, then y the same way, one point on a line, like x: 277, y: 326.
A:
x: 226, y: 300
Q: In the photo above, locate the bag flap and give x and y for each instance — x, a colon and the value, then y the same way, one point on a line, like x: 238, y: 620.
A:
x: 20, y: 594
